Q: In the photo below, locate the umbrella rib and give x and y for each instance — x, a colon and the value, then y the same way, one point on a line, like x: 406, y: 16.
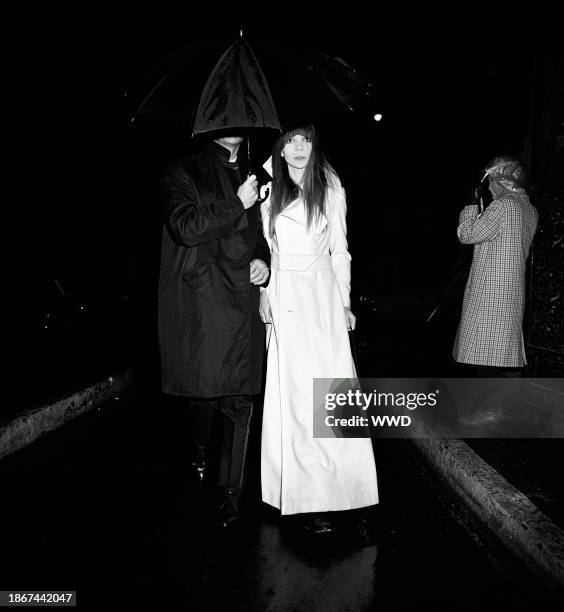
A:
x: 173, y: 69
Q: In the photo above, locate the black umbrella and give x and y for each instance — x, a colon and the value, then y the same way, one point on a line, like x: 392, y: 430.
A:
x: 209, y: 87
x: 236, y: 94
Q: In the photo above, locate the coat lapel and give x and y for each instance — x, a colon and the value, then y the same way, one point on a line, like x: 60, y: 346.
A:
x: 296, y: 212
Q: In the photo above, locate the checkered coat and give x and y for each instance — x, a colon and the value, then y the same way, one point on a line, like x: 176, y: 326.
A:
x: 491, y: 326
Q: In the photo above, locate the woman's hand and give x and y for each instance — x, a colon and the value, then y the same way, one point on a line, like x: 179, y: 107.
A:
x: 264, y: 308
x: 350, y: 319
x: 259, y: 272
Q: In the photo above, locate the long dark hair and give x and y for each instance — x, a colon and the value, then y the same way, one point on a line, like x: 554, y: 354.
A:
x: 315, y: 183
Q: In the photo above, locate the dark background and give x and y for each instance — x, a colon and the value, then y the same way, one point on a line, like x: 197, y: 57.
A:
x: 454, y: 91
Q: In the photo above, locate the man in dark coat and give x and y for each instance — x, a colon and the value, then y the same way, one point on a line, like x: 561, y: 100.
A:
x: 214, y: 258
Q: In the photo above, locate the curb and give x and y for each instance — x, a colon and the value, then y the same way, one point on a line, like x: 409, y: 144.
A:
x: 22, y: 429
x: 509, y: 513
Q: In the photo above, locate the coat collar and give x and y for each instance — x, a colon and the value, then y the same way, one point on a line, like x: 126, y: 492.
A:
x: 296, y: 212
x: 221, y: 154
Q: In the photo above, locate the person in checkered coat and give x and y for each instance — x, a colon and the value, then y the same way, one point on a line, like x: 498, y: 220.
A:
x: 490, y: 332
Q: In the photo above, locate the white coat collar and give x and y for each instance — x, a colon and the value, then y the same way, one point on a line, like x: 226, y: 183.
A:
x: 296, y: 210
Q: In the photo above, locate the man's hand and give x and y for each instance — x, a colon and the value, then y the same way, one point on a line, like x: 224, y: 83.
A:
x: 350, y: 319
x: 248, y: 191
x: 259, y: 272
x: 264, y: 308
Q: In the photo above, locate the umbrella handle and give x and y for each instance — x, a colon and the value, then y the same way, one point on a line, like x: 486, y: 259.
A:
x: 264, y: 192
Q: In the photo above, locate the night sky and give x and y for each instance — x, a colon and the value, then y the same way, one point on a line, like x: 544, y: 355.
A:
x: 452, y: 97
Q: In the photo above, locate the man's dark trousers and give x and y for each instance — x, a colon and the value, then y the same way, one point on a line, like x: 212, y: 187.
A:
x: 235, y: 412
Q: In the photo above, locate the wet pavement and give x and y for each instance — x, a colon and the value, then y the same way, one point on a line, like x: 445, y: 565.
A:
x: 105, y: 506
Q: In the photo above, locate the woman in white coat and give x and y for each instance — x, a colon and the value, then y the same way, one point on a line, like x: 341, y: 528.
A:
x: 307, y: 303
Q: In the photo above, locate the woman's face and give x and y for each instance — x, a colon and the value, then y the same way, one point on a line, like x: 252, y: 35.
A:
x: 297, y: 151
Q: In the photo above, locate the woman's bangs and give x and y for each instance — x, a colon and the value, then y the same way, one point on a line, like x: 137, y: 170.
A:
x: 306, y: 131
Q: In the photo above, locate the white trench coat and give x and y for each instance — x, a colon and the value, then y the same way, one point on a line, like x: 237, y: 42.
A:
x: 308, y: 289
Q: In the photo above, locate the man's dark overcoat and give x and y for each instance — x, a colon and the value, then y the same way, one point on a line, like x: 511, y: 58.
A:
x: 210, y: 333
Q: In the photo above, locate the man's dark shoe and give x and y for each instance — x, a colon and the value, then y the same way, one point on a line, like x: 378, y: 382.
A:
x: 229, y: 514
x: 199, y: 463
x: 317, y: 523
x: 363, y: 532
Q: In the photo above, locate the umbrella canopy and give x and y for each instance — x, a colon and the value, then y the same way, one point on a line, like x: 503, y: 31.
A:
x: 236, y: 94
x: 260, y: 85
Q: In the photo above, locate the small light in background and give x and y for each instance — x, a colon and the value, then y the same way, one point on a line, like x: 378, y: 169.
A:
x: 377, y: 117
